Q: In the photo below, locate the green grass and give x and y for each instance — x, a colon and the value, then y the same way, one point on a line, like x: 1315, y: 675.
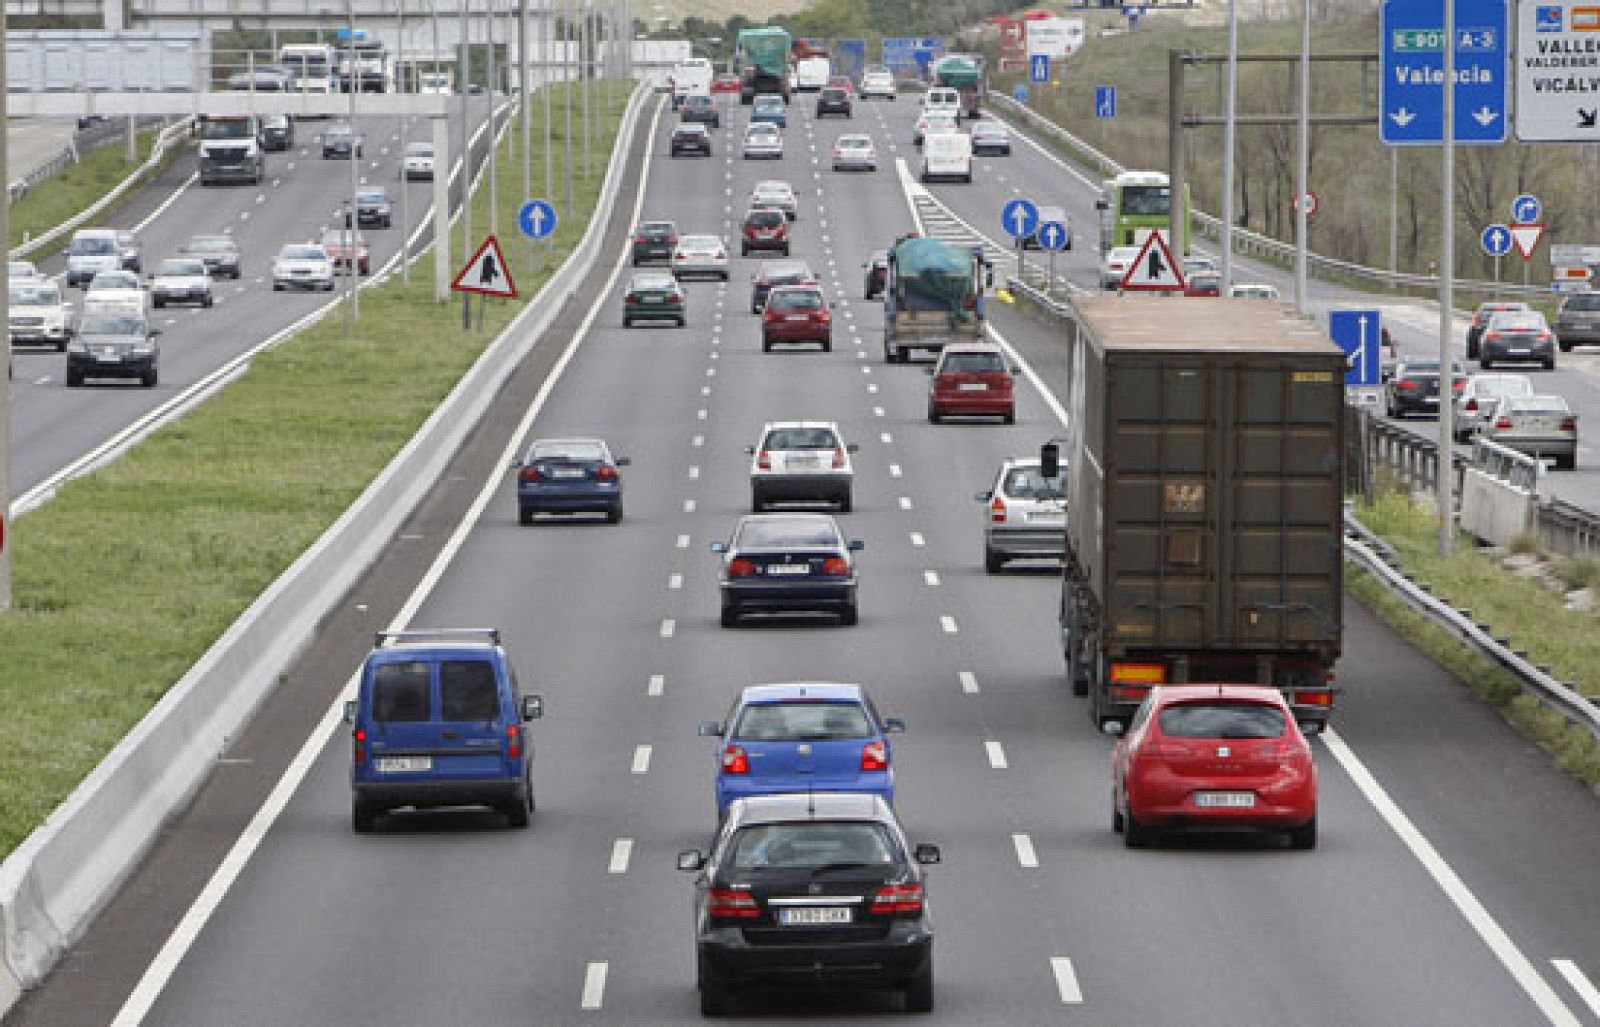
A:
x: 60, y: 197
x: 130, y: 574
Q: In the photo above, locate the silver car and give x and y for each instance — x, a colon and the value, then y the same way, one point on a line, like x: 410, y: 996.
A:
x: 1024, y: 516
x: 181, y: 280
x: 1578, y: 321
x: 776, y: 194
x: 763, y: 141
x: 855, y: 151
x: 1114, y: 266
x: 700, y: 255
x: 1541, y: 426
x: 1476, y: 400
x: 801, y: 461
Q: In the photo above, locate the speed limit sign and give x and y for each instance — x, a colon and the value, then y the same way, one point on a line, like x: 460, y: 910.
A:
x: 1312, y: 201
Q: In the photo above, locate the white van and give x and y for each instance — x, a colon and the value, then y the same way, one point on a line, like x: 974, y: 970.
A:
x: 947, y: 155
x: 943, y: 98
x: 92, y: 251
x: 690, y: 77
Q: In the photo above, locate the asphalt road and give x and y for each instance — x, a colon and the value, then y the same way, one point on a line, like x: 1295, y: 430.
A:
x: 53, y: 425
x: 1454, y: 861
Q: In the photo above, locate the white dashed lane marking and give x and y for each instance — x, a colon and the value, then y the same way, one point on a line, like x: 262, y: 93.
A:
x: 669, y: 627
x: 969, y: 682
x: 683, y: 542
x: 947, y: 624
x: 641, y: 759
x: 997, y: 755
x: 1066, y: 980
x: 1025, y: 854
x: 917, y: 539
x: 621, y: 851
x: 594, y: 985
x: 931, y: 578
x: 656, y: 685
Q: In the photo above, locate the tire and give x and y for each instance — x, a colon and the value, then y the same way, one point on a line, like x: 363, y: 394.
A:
x: 363, y: 817
x: 934, y: 416
x: 845, y: 503
x: 827, y: 346
x: 627, y: 322
x: 614, y: 515
x: 993, y: 560
x: 1550, y: 365
x: 682, y: 322
x: 74, y: 378
x: 1009, y: 418
x: 849, y: 616
x: 1304, y: 836
x: 758, y: 503
x: 1566, y: 347
x: 1485, y: 363
x: 919, y: 992
x: 1117, y: 824
x: 208, y: 301
x: 524, y: 515
x: 1134, y: 834
x: 730, y: 616
x: 158, y: 303
x: 519, y: 812
x: 713, y: 996
x: 1567, y: 462
x: 149, y: 379
x: 744, y: 251
x: 766, y: 347
x: 1472, y: 350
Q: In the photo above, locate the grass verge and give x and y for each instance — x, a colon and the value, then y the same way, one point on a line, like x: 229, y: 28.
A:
x: 77, y: 187
x: 130, y: 574
x: 1528, y: 616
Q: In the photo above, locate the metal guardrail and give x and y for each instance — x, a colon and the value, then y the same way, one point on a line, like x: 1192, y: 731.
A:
x: 1261, y: 246
x: 1567, y: 529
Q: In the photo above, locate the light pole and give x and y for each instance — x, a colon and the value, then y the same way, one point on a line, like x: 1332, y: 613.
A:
x: 405, y: 121
x: 1302, y: 162
x: 1447, y: 276
x: 493, y: 150
x: 5, y: 394
x: 1227, y: 150
x: 353, y: 294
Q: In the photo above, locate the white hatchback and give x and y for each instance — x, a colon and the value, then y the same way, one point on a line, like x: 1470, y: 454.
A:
x: 801, y: 461
x: 1025, y: 515
x: 763, y: 141
x: 855, y: 151
x: 1114, y: 266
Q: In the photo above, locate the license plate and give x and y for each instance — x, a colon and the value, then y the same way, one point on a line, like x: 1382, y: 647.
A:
x: 815, y: 915
x: 1519, y: 351
x: 794, y: 317
x: 1225, y: 800
x: 110, y: 358
x: 568, y: 472
x: 973, y: 387
x: 802, y: 463
x: 404, y: 764
x: 788, y: 568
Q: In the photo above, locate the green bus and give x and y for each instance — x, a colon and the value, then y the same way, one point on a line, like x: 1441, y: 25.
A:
x: 1135, y: 203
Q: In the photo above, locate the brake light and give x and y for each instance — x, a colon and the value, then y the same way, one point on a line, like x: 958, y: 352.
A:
x: 680, y: 255
x: 898, y: 899
x: 1471, y: 404
x: 874, y: 756
x: 1406, y: 383
x: 529, y: 474
x: 672, y: 240
x: 1569, y: 424
x: 741, y: 568
x: 838, y: 458
x: 676, y: 297
x: 1544, y: 335
x: 836, y: 567
x: 514, y: 741
x: 722, y: 255
x: 1320, y: 697
x: 764, y: 461
x: 359, y: 739
x: 733, y: 905
x: 1458, y: 385
x: 1502, y: 424
x: 1491, y: 335
x: 640, y: 239
x: 632, y: 297
x: 606, y: 473
x: 735, y: 760
x: 997, y: 510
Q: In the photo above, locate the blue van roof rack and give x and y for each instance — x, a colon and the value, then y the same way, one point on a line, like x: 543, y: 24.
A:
x: 438, y: 635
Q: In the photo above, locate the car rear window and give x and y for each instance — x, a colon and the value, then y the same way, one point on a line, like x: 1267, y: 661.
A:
x: 765, y: 218
x: 656, y: 228
x: 801, y: 438
x: 1539, y: 405
x: 1517, y: 322
x: 803, y: 722
x: 795, y: 299
x: 758, y: 534
x: 814, y: 843
x: 467, y: 690
x: 571, y: 450
x: 971, y: 363
x: 400, y: 693
x: 1222, y: 720
x: 1028, y: 483
x: 1504, y: 386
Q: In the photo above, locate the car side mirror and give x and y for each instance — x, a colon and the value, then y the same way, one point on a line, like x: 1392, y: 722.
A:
x: 349, y: 711
x: 1114, y: 728
x: 894, y: 726
x: 690, y: 860
x: 1016, y: 368
x: 927, y: 854
x: 855, y: 545
x: 1049, y: 460
x: 983, y: 497
x: 751, y: 450
x: 623, y: 461
x: 532, y: 707
x: 710, y: 729
x: 719, y: 547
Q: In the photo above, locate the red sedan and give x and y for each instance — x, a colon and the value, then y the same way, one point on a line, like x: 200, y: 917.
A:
x: 796, y: 313
x: 1214, y: 756
x: 844, y: 82
x: 725, y: 83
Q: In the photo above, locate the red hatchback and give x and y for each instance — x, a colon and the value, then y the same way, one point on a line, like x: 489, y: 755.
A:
x: 796, y: 313
x: 765, y: 228
x: 727, y: 82
x: 971, y: 381
x: 1214, y: 756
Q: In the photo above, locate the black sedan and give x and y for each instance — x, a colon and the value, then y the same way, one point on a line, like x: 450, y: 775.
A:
x: 567, y: 476
x: 220, y: 253
x: 691, y: 137
x: 654, y: 240
x: 784, y: 562
x: 113, y: 345
x: 875, y: 272
x: 811, y: 890
x: 340, y: 142
x: 373, y: 208
x: 1414, y: 388
x: 654, y: 296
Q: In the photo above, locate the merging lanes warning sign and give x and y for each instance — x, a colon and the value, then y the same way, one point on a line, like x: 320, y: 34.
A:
x: 486, y: 273
x: 1154, y: 270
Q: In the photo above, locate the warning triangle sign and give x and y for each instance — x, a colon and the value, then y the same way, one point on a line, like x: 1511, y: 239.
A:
x: 1526, y: 238
x: 486, y: 273
x: 1154, y: 270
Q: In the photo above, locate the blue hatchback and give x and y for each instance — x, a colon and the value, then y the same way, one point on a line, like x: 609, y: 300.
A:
x: 567, y: 476
x: 769, y: 107
x: 803, y: 738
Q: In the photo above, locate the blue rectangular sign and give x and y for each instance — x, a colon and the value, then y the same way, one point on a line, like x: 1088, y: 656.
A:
x: 1411, y: 72
x: 850, y: 57
x: 909, y: 54
x: 1105, y: 102
x: 1357, y: 332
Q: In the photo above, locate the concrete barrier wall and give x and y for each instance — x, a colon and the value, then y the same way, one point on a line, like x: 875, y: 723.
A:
x: 1494, y: 510
x: 61, y: 876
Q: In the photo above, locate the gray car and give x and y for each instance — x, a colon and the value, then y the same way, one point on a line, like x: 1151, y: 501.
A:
x: 1578, y: 321
x: 1024, y: 515
x: 1541, y: 426
x: 1517, y: 335
x: 1476, y: 401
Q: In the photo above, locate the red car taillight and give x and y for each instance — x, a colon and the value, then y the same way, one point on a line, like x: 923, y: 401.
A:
x: 874, y: 756
x: 1458, y: 385
x: 1503, y: 424
x: 632, y: 297
x: 672, y: 240
x: 1544, y: 335
x: 680, y: 256
x: 732, y: 905
x: 735, y: 760
x: 836, y: 567
x: 1491, y: 335
x: 639, y: 239
x: 676, y: 297
x: 764, y: 461
x: 606, y: 473
x: 1407, y: 384
x: 1471, y: 404
x: 838, y: 458
x: 358, y: 740
x: 898, y: 899
x: 514, y: 741
x: 741, y: 568
x: 1569, y: 424
x: 529, y: 474
x: 997, y: 510
x: 722, y: 255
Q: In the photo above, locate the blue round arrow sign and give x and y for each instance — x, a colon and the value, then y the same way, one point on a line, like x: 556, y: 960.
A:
x: 1020, y: 218
x: 1525, y: 209
x: 1496, y: 240
x: 1052, y: 235
x: 537, y: 219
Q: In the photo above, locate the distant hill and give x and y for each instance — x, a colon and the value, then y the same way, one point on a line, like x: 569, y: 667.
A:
x: 758, y: 11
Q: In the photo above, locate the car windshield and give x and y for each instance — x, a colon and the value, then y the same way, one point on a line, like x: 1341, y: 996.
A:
x: 763, y: 130
x: 784, y: 274
x: 765, y: 218
x: 104, y: 280
x: 303, y: 253
x: 1517, y: 322
x: 102, y: 324
x: 1222, y: 720
x: 801, y: 438
x: 575, y: 449
x: 95, y: 246
x: 814, y: 843
x: 766, y: 533
x: 1028, y: 483
x: 182, y: 267
x: 794, y: 299
x: 657, y: 228
x: 699, y: 242
x: 339, y: 132
x: 1503, y: 385
x: 372, y: 196
x: 854, y: 142
x: 34, y: 295
x: 971, y: 363
x: 419, y: 150
x: 802, y: 721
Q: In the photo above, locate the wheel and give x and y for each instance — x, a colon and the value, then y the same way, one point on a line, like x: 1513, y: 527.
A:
x: 1485, y: 363
x: 525, y: 514
x: 933, y: 415
x: 682, y: 322
x: 713, y: 996
x: 148, y: 379
x: 827, y: 346
x: 1550, y: 365
x: 1134, y: 834
x: 1009, y: 417
x: 845, y: 505
x: 766, y: 347
x: 1472, y: 349
x: 518, y: 810
x: 614, y: 515
x: 730, y: 616
x: 627, y: 322
x: 158, y: 302
x: 363, y: 816
x: 849, y: 616
x: 1567, y: 462
x: 1304, y: 836
x: 993, y: 560
x: 785, y: 249
x: 919, y: 992
x: 1116, y: 814
x: 208, y: 301
x: 74, y: 378
x: 1566, y: 347
x: 724, y: 276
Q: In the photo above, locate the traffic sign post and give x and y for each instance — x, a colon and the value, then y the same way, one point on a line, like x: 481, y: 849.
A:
x: 1496, y: 242
x: 1053, y: 238
x: 1020, y: 219
x: 1411, y: 73
x: 1154, y: 270
x: 1358, y: 333
x: 1557, y: 41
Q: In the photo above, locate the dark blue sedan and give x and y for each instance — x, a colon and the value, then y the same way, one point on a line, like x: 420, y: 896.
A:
x: 788, y: 562
x: 568, y: 476
x: 803, y: 738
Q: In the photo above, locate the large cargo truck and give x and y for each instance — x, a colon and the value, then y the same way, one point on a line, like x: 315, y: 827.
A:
x: 764, y: 62
x: 230, y: 149
x: 964, y: 73
x: 933, y: 296
x: 1204, y: 501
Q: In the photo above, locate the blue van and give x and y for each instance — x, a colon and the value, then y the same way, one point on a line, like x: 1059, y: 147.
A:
x: 438, y: 721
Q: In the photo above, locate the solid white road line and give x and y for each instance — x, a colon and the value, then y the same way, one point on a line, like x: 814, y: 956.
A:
x: 641, y: 759
x: 947, y: 624
x: 621, y: 851
x: 1580, y: 983
x: 1504, y: 949
x: 656, y: 685
x: 1025, y: 854
x: 997, y: 755
x: 669, y: 627
x: 1066, y: 980
x: 969, y: 682
x: 594, y: 985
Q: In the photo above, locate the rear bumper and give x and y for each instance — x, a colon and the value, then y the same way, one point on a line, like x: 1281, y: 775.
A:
x: 93, y: 367
x: 1534, y: 446
x: 1502, y: 352
x: 1038, y: 542
x: 1575, y: 336
x: 904, y: 953
x: 801, y: 486
x: 973, y: 404
x: 422, y: 793
x: 750, y: 597
x: 781, y: 332
x: 547, y: 500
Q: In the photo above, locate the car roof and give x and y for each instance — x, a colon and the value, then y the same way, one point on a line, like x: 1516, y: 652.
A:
x: 971, y: 347
x: 774, y: 425
x: 777, y: 809
x: 1233, y: 693
x: 800, y: 690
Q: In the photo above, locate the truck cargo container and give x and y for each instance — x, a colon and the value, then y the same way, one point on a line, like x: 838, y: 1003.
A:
x: 932, y: 297
x: 764, y: 62
x: 1204, y: 506
x: 963, y: 72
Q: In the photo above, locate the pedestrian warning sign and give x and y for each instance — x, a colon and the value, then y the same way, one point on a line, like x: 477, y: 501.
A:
x: 1154, y: 270
x: 486, y: 273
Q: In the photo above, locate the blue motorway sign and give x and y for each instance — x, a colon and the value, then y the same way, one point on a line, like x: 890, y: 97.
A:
x: 1039, y: 67
x: 1020, y: 218
x: 849, y: 57
x: 1053, y: 235
x: 537, y: 218
x: 1357, y: 332
x: 1496, y: 240
x: 909, y: 53
x: 1411, y: 72
x: 1525, y: 209
x: 1020, y: 93
x: 1105, y: 102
